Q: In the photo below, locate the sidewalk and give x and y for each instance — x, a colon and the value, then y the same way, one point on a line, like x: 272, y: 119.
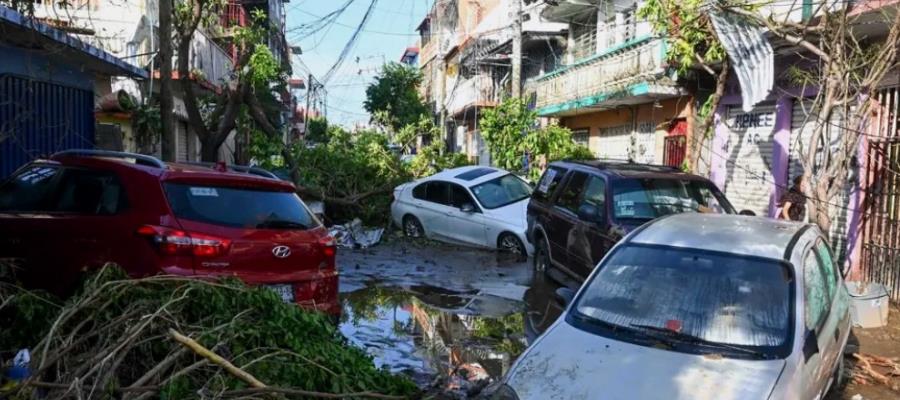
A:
x: 880, y: 342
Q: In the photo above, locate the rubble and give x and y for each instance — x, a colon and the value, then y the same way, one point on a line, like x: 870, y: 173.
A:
x: 352, y: 235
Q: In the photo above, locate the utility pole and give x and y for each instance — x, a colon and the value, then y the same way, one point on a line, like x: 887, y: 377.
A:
x: 309, y: 88
x: 517, y: 49
x: 166, y: 102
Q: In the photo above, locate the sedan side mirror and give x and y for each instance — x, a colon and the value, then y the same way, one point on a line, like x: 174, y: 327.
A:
x: 564, y: 296
x: 810, y: 344
x: 747, y: 213
x: 467, y: 208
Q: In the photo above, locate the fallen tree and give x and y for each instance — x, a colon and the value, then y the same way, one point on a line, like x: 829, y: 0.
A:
x: 173, y: 337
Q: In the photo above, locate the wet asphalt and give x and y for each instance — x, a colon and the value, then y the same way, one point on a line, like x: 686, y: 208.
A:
x: 447, y: 316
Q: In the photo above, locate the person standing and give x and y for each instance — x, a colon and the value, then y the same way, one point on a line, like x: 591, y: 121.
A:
x: 793, y: 203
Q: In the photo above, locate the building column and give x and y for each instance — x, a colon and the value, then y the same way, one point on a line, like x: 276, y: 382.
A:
x: 781, y: 148
x: 602, y: 32
x: 620, y: 28
x: 570, y: 44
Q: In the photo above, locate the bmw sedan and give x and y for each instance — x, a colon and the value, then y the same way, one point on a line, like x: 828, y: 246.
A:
x: 697, y: 306
x: 477, y: 206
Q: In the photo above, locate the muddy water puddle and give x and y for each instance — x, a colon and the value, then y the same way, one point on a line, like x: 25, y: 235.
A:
x: 447, y: 317
x: 429, y: 333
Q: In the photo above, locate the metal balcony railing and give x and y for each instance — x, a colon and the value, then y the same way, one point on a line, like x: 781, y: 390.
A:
x: 605, y: 74
x: 234, y: 16
x: 475, y: 91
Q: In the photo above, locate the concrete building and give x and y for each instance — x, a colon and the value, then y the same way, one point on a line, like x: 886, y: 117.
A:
x: 128, y: 30
x: 466, y: 58
x: 50, y: 84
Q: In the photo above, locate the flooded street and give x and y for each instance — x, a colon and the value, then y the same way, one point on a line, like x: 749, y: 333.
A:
x: 450, y: 317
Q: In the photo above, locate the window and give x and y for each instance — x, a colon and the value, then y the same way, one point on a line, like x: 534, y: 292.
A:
x: 584, y: 37
x: 90, y: 192
x: 419, y: 191
x: 828, y: 266
x: 652, y: 198
x: 501, y: 191
x: 568, y: 199
x: 595, y: 193
x: 239, y: 207
x: 548, y: 183
x: 28, y: 191
x: 459, y: 196
x: 436, y: 192
x: 816, y: 291
x: 581, y: 136
x: 717, y: 297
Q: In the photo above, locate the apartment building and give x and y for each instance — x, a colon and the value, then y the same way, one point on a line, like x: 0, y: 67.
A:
x: 129, y: 30
x: 466, y: 58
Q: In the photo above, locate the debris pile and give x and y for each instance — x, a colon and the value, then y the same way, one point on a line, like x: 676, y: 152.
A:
x: 177, y: 338
x: 352, y: 235
x: 875, y: 369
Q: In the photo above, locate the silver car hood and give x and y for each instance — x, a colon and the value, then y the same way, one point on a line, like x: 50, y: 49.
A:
x: 568, y: 363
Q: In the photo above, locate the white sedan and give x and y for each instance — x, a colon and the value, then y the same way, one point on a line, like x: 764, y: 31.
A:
x: 479, y: 206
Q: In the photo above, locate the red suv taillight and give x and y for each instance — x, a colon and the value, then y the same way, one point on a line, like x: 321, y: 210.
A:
x: 329, y: 249
x: 175, y: 242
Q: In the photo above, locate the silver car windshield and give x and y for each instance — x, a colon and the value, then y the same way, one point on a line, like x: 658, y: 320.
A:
x: 712, y: 297
x: 501, y: 191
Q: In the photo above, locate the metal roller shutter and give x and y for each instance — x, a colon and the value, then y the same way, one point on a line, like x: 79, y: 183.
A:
x: 749, y: 182
x: 614, y: 142
x: 803, y: 124
x: 181, y: 141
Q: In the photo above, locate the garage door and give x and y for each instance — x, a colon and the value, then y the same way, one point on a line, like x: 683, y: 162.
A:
x: 614, y: 142
x: 748, y: 180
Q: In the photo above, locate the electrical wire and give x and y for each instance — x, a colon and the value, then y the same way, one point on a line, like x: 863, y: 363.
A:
x: 350, y: 43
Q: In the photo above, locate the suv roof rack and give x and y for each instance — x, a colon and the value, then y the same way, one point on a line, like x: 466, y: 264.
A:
x: 238, y: 168
x: 625, y: 165
x: 141, y: 159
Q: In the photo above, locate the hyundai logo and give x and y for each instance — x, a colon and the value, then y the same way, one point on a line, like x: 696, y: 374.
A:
x: 281, y: 251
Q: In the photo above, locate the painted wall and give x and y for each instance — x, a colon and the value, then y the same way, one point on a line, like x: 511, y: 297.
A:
x: 642, y: 115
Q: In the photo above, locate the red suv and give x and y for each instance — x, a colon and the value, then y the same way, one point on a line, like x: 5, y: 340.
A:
x: 83, y: 208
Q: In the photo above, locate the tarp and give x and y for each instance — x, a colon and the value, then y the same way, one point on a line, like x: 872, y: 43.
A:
x: 750, y: 53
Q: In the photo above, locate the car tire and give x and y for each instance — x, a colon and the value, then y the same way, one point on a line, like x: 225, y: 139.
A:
x: 511, y: 243
x: 412, y: 227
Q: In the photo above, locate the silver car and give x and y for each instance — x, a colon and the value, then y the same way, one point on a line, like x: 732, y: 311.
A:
x: 697, y: 306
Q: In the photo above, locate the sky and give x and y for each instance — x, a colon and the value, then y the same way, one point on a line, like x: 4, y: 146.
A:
x: 390, y: 29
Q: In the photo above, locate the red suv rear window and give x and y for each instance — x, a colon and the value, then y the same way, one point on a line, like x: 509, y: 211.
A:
x: 239, y: 207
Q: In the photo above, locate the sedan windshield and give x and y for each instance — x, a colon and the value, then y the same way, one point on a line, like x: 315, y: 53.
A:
x: 501, y: 191
x: 732, y: 304
x: 653, y: 198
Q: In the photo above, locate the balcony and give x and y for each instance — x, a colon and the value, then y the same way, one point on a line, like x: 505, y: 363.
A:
x: 234, y: 16
x: 632, y: 72
x: 478, y: 91
x: 209, y: 63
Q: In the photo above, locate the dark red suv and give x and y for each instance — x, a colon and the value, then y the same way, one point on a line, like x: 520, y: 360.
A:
x: 81, y: 209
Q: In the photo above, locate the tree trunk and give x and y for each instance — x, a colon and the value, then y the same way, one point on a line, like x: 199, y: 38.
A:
x: 209, y: 150
x: 166, y: 100
x: 701, y: 134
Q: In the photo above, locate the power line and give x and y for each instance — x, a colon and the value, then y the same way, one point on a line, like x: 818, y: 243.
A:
x: 350, y: 43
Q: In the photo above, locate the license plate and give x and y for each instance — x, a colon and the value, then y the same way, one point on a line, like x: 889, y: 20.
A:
x: 285, y: 291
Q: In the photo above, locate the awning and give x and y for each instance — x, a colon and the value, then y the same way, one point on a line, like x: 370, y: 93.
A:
x: 20, y: 31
